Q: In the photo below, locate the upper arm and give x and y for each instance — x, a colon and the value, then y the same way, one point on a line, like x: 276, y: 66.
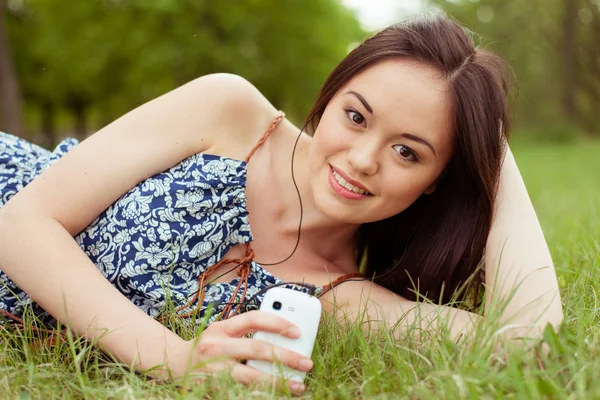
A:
x: 517, y: 254
x: 194, y: 118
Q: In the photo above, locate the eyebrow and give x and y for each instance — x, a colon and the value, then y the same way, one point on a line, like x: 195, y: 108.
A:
x: 362, y: 100
x: 409, y: 136
x: 419, y: 140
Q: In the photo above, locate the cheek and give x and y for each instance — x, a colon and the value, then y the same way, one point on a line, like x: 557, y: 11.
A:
x: 325, y: 143
x: 403, y: 189
x: 317, y: 157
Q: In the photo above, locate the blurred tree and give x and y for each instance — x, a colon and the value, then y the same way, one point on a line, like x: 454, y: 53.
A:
x: 10, y: 94
x: 104, y: 57
x: 569, y: 52
x: 69, y: 58
x: 587, y: 56
x: 552, y: 48
x: 285, y: 48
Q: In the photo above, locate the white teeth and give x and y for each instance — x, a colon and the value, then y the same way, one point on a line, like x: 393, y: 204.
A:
x: 347, y: 185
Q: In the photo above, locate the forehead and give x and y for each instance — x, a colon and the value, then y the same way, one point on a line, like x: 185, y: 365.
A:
x: 406, y: 97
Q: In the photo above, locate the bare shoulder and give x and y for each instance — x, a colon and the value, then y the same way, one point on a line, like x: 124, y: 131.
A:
x: 242, y: 111
x: 214, y: 112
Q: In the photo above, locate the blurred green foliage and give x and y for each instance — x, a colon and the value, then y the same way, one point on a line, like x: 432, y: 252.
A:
x: 97, y: 59
x: 79, y: 65
x: 553, y: 49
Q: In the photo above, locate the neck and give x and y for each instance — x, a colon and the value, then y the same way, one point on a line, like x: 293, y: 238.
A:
x: 329, y: 238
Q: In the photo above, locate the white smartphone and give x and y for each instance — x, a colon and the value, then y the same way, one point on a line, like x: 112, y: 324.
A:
x: 301, y: 309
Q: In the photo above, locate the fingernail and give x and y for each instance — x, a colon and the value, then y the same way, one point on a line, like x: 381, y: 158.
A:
x: 305, y: 364
x: 294, y: 332
x: 297, y: 387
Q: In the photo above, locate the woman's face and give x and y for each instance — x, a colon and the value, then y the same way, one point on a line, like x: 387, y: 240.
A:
x: 382, y: 142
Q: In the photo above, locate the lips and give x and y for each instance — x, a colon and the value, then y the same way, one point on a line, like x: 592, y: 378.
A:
x: 350, y: 180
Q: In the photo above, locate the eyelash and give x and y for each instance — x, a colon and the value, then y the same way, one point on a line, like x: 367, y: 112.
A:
x: 413, y: 157
x: 347, y: 111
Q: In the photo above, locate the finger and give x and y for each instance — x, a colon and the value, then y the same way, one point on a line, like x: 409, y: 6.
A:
x: 250, y: 376
x: 253, y: 349
x: 201, y: 372
x: 242, y: 324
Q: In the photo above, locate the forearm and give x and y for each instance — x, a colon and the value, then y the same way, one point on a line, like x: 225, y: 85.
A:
x: 42, y: 258
x: 425, y: 320
x: 378, y: 308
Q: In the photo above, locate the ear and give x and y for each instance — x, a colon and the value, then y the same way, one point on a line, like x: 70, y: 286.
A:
x: 431, y: 188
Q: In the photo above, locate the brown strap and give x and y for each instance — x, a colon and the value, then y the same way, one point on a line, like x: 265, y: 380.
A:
x: 263, y: 139
x: 243, y: 271
x: 341, y: 279
x: 244, y: 262
x: 244, y: 274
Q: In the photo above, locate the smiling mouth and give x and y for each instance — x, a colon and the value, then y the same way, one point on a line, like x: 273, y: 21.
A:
x: 347, y: 185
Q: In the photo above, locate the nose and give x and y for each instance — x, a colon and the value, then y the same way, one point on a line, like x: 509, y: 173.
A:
x: 362, y: 156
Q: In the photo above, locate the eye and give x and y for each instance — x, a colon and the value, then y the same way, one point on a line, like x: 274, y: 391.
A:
x: 406, y: 153
x: 355, y: 117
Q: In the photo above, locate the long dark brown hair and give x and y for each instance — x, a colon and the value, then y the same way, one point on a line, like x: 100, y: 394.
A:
x: 436, y: 245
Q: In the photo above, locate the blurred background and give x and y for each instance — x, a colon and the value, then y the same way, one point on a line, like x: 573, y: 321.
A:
x: 69, y: 68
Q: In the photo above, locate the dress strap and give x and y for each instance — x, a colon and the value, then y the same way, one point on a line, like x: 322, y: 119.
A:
x: 244, y: 263
x: 268, y: 132
x: 339, y: 281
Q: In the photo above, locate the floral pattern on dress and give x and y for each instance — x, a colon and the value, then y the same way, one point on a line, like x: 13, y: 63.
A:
x: 156, y: 239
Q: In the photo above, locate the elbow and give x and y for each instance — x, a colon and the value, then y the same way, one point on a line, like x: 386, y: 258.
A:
x: 556, y: 317
x: 6, y: 216
x: 553, y: 314
x: 534, y: 328
x: 9, y: 220
x: 9, y: 216
x: 13, y: 218
x: 530, y: 323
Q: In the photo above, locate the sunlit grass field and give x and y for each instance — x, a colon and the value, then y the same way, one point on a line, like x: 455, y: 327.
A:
x: 564, y: 184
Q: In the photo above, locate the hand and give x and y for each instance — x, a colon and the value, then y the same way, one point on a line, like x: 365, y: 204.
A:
x: 222, y: 345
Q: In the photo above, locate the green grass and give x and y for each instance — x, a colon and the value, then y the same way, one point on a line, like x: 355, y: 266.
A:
x: 564, y: 184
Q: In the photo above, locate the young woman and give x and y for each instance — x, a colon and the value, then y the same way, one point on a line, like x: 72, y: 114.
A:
x: 406, y: 168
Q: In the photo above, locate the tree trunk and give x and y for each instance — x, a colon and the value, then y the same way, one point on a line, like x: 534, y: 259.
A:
x: 47, y: 128
x: 569, y: 54
x: 10, y: 94
x: 79, y: 113
x: 589, y: 74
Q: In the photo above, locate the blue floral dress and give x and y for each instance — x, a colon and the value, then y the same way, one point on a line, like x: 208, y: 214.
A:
x: 153, y: 242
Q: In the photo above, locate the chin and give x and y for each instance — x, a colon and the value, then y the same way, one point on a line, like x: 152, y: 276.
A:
x: 335, y: 211
x: 340, y: 216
